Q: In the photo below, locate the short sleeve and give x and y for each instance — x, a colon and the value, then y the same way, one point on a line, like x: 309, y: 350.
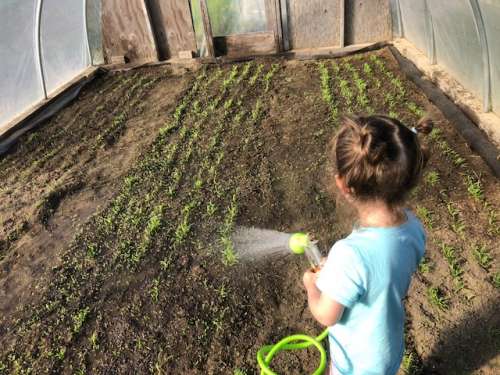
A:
x: 342, y: 278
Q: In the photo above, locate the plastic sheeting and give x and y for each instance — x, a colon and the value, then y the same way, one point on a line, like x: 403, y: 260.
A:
x: 43, y: 45
x: 20, y: 82
x: 490, y: 10
x: 457, y: 43
x: 413, y: 14
x: 462, y: 36
x: 64, y: 48
x: 228, y: 17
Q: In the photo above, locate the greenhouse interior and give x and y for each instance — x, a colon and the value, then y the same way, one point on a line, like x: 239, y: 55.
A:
x: 175, y: 196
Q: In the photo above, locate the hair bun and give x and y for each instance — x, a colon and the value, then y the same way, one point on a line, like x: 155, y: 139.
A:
x: 372, y: 152
x: 424, y: 125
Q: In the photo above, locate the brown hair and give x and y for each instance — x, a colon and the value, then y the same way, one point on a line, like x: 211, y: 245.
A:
x: 379, y: 157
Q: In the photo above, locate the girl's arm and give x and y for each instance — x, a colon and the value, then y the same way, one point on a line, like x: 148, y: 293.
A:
x: 324, y: 309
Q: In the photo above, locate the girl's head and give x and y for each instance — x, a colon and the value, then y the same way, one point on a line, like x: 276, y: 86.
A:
x: 379, y: 158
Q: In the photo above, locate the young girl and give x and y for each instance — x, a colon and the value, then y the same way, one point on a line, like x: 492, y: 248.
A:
x: 360, y: 289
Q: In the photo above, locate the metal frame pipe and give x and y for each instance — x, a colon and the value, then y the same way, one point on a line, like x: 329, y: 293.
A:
x: 38, y: 49
x: 483, y: 40
x: 86, y: 31
x: 431, y: 42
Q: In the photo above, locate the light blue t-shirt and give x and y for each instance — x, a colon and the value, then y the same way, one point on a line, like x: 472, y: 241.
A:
x: 369, y: 273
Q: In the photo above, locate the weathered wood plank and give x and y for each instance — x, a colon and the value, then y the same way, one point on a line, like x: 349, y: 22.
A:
x: 207, y: 27
x: 173, y: 27
x: 127, y: 31
x: 313, y: 23
x: 342, y: 23
x: 367, y: 21
x: 250, y: 44
x: 274, y: 22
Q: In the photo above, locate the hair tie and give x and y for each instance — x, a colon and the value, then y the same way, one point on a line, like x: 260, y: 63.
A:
x: 414, y: 130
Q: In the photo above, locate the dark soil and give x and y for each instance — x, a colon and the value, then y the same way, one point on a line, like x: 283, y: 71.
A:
x: 116, y: 214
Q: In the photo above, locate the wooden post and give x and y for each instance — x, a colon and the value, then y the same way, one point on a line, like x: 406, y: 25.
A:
x: 284, y: 25
x: 207, y: 27
x: 273, y: 15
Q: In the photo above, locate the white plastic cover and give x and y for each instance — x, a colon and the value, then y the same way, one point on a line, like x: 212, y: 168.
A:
x: 20, y: 83
x: 458, y: 29
x: 65, y: 52
x: 490, y: 10
x: 42, y: 43
x: 457, y: 43
x: 413, y: 22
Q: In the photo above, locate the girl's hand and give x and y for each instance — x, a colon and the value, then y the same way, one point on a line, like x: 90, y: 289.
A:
x: 309, y: 278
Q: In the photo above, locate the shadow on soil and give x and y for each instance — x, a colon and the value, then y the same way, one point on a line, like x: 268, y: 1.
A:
x: 467, y: 345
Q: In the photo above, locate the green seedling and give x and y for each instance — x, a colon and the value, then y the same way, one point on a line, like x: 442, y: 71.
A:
x: 326, y: 90
x: 211, y: 209
x: 482, y: 256
x: 496, y: 280
x: 182, y: 230
x: 59, y: 354
x: 457, y: 224
x: 435, y: 134
x: 239, y: 372
x: 92, y: 250
x: 79, y: 319
x: 474, y: 187
x: 255, y: 77
x: 426, y: 216
x: 393, y: 114
x: 424, y: 266
x: 94, y: 341
x: 246, y: 71
x: 448, y: 252
x: 410, y: 364
x: 269, y: 75
x: 493, y: 222
x: 346, y: 92
x: 335, y: 68
x: 155, y: 290
x: 229, y: 257
x: 432, y: 178
x: 367, y: 69
x: 257, y: 111
x: 198, y: 184
x: 232, y: 76
x: 415, y: 109
x: 437, y: 299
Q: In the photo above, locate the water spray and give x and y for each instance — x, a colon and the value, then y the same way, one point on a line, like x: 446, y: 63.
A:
x: 298, y: 243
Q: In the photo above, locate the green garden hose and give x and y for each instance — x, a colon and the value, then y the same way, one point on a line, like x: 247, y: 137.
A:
x: 267, y: 352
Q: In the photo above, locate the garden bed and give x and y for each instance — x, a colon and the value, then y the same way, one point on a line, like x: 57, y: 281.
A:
x: 158, y: 179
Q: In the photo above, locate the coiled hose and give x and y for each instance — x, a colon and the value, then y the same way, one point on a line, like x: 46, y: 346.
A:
x: 294, y: 342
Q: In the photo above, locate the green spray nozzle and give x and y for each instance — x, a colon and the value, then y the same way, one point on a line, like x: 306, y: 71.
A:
x: 298, y: 242
x: 301, y: 243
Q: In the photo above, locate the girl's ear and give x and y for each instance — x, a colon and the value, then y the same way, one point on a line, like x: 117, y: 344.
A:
x: 341, y: 185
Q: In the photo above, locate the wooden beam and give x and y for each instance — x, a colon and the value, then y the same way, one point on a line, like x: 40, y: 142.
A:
x: 248, y: 44
x: 207, y: 27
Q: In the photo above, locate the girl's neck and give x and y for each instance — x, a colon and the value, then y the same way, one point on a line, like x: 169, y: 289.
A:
x: 379, y: 214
